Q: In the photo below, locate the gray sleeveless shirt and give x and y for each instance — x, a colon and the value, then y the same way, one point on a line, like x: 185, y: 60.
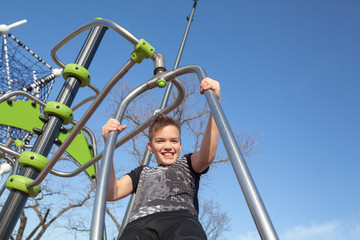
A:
x: 165, y: 188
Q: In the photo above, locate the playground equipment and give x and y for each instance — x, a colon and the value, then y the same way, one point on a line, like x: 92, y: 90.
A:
x: 58, y: 113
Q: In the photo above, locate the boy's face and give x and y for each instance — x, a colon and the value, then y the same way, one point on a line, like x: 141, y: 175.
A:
x: 166, y: 145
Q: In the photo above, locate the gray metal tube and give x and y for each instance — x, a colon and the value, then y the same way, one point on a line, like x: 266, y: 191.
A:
x: 178, y: 57
x: 164, y: 102
x: 98, y: 217
x: 101, y: 22
x: 92, y: 87
x: 252, y: 196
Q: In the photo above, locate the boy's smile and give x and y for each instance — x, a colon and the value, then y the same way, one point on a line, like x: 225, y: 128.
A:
x: 166, y: 145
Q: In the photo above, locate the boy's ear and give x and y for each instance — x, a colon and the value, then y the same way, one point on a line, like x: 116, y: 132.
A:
x: 149, y: 147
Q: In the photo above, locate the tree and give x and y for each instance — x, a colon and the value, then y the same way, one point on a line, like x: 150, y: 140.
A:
x: 213, y: 219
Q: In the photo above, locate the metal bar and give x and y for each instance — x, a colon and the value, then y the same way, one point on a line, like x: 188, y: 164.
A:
x: 86, y: 100
x: 147, y: 156
x: 251, y: 194
x: 98, y: 217
x: 16, y: 200
x: 100, y: 22
x: 177, y: 60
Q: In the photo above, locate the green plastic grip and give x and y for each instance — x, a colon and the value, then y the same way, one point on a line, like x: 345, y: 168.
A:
x: 77, y: 71
x: 60, y: 110
x: 19, y: 182
x: 33, y: 159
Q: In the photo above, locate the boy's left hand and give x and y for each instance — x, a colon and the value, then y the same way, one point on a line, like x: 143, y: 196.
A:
x: 208, y: 83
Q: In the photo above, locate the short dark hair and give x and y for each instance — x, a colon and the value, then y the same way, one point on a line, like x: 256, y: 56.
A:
x: 161, y: 121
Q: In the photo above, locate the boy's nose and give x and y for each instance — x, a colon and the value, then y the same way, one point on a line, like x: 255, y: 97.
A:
x: 167, y: 145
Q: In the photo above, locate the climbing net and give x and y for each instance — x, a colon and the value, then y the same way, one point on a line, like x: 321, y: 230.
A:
x: 22, y: 69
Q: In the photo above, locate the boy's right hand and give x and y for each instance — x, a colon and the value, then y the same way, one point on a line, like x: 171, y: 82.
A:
x: 111, y: 126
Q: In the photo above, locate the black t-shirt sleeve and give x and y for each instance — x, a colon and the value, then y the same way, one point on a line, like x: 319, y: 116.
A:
x: 135, y: 176
x: 188, y: 159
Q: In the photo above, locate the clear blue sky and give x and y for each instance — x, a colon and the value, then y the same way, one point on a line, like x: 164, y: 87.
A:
x: 289, y: 72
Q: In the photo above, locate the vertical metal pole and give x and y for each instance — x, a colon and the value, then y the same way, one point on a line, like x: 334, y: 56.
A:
x: 177, y: 60
x: 98, y: 217
x: 252, y: 196
x: 247, y: 184
x: 147, y: 156
x: 16, y: 200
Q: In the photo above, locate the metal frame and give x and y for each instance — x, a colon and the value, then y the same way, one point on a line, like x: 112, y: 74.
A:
x: 16, y: 200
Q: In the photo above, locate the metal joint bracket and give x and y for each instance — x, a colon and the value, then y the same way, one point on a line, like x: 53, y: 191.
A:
x: 33, y: 159
x: 60, y: 110
x: 77, y: 71
x: 142, y: 50
x: 18, y: 182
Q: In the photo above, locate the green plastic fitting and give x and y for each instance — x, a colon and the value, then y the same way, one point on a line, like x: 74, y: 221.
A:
x: 33, y: 159
x: 142, y: 50
x: 19, y: 182
x: 60, y: 110
x: 161, y: 83
x: 77, y: 71
x: 18, y: 143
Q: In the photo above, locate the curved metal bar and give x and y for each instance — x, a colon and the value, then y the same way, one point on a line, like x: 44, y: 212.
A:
x: 134, y: 132
x: 93, y: 143
x: 247, y: 184
x: 10, y: 161
x: 101, y: 22
x: 86, y: 100
x: 16, y: 155
x: 9, y: 151
x: 98, y: 217
x: 6, y: 96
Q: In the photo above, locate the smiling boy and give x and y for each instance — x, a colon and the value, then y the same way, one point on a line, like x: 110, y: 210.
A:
x: 166, y: 202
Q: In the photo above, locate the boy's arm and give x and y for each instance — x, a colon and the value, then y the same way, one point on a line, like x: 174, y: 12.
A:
x: 202, y: 159
x: 122, y: 187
